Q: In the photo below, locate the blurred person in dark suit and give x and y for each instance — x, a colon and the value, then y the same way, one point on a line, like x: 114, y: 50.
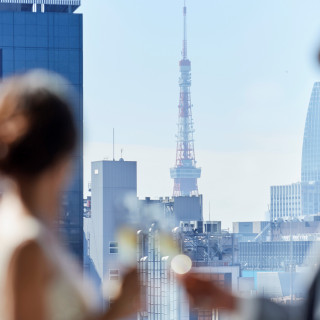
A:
x: 205, y: 294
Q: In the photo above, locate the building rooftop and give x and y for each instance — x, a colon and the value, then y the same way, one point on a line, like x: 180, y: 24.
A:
x: 40, y: 5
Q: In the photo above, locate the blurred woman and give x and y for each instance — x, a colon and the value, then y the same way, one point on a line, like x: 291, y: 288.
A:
x: 38, y: 278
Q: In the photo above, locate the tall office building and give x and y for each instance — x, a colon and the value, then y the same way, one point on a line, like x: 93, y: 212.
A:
x: 47, y: 34
x: 285, y: 201
x: 302, y: 198
x: 162, y: 293
x: 211, y: 253
x: 310, y: 166
x: 113, y: 195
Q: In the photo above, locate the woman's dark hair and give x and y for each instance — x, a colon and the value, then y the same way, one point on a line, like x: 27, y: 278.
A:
x: 36, y: 124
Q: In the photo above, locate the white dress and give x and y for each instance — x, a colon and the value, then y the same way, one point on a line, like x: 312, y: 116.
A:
x: 67, y: 297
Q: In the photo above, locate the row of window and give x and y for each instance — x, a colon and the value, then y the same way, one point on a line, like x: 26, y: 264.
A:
x: 114, y: 274
x: 48, y: 30
x: 18, y: 18
x: 113, y: 247
x: 34, y: 41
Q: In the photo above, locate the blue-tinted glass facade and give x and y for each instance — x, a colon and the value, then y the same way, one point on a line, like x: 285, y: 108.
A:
x: 310, y: 197
x: 310, y: 167
x: 52, y: 41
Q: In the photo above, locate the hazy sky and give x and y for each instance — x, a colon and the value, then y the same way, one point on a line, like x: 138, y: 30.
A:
x: 253, y: 67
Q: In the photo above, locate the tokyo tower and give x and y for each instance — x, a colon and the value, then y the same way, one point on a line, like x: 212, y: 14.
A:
x: 185, y: 173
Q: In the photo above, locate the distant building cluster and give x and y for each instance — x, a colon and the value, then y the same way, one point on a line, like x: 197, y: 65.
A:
x: 268, y: 257
x: 244, y: 259
x: 302, y: 199
x: 211, y: 253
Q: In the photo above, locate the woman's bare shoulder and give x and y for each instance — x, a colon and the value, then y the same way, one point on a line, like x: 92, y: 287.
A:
x: 28, y: 254
x: 28, y: 276
x: 29, y: 266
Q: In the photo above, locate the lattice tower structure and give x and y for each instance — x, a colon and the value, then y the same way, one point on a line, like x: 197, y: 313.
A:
x: 185, y: 173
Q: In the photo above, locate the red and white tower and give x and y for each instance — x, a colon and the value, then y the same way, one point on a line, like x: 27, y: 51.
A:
x: 185, y: 173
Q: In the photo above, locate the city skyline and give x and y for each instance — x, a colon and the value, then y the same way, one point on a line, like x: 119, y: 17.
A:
x: 253, y: 87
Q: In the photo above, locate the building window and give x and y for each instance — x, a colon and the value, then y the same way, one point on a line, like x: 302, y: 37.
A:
x: 113, y: 274
x: 96, y: 171
x: 113, y: 247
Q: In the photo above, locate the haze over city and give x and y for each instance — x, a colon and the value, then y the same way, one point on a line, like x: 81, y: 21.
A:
x: 250, y: 90
x: 197, y: 193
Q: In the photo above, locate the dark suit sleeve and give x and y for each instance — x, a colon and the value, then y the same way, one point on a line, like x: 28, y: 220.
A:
x: 268, y: 310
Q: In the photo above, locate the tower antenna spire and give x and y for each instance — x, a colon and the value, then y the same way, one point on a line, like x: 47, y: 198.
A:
x: 184, y: 45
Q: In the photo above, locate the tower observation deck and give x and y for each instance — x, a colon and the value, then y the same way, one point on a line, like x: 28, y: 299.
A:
x: 185, y: 173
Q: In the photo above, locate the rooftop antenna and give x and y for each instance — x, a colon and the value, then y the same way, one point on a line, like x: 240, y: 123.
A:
x: 184, y: 45
x: 121, y: 153
x: 113, y: 143
x: 209, y: 211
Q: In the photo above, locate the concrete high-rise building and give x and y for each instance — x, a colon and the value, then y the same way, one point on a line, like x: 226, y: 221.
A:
x: 47, y: 34
x: 113, y: 191
x: 285, y: 201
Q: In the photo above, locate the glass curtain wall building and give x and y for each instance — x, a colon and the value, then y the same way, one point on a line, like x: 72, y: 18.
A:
x: 302, y: 198
x: 47, y: 34
x: 310, y: 167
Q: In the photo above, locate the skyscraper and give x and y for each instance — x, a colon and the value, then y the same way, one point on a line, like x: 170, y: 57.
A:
x: 310, y: 165
x: 113, y: 184
x: 47, y: 34
x: 185, y: 173
x: 302, y: 198
x: 285, y: 201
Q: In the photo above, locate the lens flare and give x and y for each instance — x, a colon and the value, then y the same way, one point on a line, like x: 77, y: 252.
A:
x: 168, y: 246
x: 111, y: 288
x: 181, y: 264
x: 127, y: 241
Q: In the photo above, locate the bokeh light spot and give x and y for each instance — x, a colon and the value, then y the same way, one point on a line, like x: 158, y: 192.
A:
x: 181, y: 264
